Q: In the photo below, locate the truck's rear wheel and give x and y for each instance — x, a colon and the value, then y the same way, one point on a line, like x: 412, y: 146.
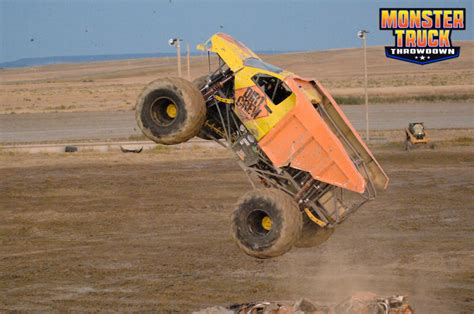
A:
x: 266, y: 223
x: 312, y: 235
x: 170, y: 111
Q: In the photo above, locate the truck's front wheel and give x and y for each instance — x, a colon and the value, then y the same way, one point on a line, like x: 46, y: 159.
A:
x: 266, y: 223
x: 170, y: 111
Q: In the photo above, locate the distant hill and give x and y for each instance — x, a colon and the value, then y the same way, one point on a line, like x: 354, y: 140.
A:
x: 28, y: 62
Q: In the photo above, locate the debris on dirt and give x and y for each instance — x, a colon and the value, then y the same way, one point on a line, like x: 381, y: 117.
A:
x: 215, y: 310
x: 367, y: 303
x: 358, y: 303
x: 70, y: 149
x: 129, y: 150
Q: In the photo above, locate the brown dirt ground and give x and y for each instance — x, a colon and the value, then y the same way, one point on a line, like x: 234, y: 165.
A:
x: 115, y: 85
x: 150, y: 232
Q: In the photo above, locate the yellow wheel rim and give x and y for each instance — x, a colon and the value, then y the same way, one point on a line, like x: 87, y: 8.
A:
x: 267, y: 223
x: 171, y: 110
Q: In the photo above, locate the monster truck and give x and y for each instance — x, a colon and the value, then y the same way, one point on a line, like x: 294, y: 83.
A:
x: 286, y: 132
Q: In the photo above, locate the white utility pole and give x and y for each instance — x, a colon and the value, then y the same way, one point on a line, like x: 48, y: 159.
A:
x: 189, y: 61
x: 363, y: 35
x: 178, y: 55
x: 175, y: 42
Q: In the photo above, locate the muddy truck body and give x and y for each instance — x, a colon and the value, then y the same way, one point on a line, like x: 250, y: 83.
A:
x: 309, y: 167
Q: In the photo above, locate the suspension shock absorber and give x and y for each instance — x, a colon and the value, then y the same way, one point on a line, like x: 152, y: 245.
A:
x: 216, y: 86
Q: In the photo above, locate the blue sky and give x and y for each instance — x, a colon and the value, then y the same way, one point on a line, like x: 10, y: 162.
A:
x: 42, y: 28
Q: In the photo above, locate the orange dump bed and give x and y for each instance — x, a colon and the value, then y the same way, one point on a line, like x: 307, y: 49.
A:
x: 316, y: 136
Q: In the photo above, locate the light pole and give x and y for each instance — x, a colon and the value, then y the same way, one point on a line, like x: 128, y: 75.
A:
x: 175, y: 42
x: 188, y: 61
x: 362, y: 34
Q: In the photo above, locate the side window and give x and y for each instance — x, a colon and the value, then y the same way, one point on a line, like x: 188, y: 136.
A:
x: 275, y: 88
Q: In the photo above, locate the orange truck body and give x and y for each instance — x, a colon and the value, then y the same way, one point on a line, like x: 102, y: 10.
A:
x: 309, y: 131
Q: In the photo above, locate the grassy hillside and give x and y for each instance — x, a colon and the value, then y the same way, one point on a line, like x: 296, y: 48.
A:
x: 114, y: 85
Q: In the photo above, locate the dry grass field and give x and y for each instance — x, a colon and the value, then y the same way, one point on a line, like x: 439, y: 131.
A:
x: 114, y: 85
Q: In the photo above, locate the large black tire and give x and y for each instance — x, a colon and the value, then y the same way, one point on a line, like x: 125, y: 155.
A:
x: 312, y: 235
x: 163, y: 124
x: 250, y: 226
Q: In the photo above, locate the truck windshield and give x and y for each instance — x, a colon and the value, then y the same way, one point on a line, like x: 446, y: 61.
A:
x: 275, y: 88
x: 259, y: 64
